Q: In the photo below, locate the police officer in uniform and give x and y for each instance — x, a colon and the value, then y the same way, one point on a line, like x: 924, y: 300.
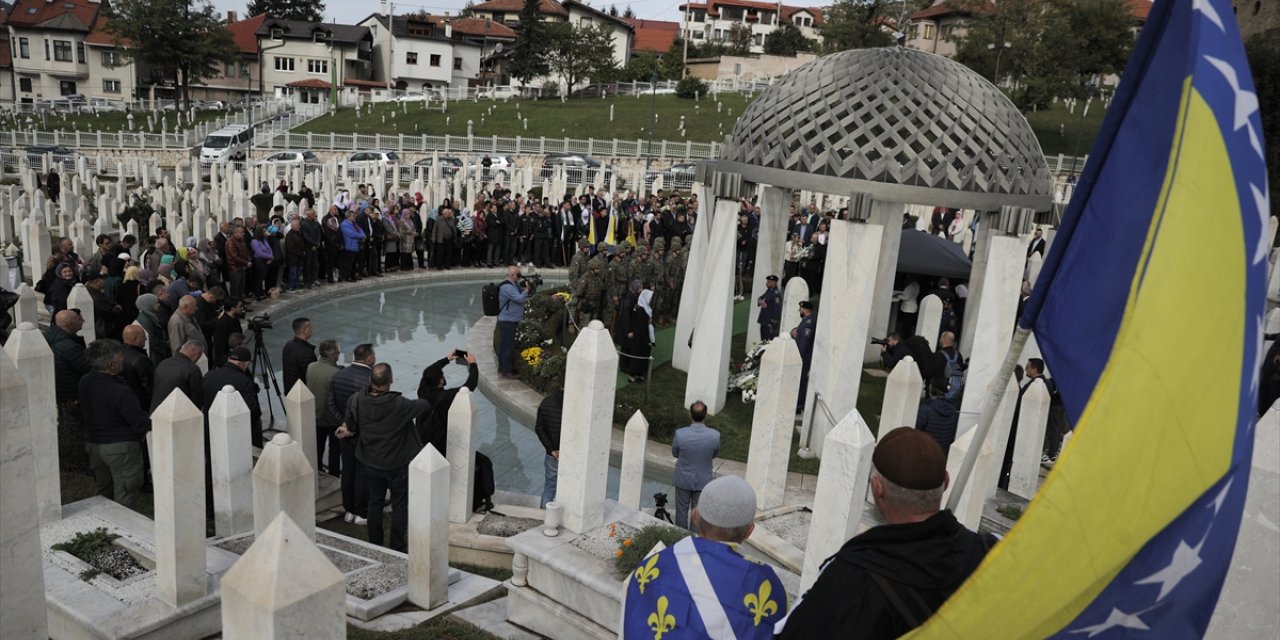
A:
x: 803, y: 335
x: 770, y: 304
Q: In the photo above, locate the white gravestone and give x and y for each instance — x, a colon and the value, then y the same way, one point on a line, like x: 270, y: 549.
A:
x: 231, y: 459
x: 930, y: 324
x: 31, y: 353
x: 282, y: 588
x: 796, y: 291
x: 300, y: 407
x: 461, y: 447
x: 1033, y: 418
x: 982, y: 479
x: 429, y: 529
x: 773, y: 421
x: 177, y: 471
x: 841, y: 493
x: 709, y: 359
x: 692, y: 288
x: 79, y: 298
x: 590, y: 377
x: 631, y: 481
x: 22, y: 615
x: 283, y: 481
x: 901, y: 396
x: 993, y: 320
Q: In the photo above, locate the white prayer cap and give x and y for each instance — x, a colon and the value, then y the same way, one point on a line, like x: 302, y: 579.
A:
x: 728, y: 502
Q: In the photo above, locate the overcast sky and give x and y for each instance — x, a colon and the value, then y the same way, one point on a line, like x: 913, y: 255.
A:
x: 350, y: 11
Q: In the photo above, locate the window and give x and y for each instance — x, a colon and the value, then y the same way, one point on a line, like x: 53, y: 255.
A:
x: 229, y: 70
x: 411, y: 57
x: 457, y: 64
x: 80, y: 52
x: 46, y: 49
x: 928, y: 31
x: 318, y: 66
x: 24, y: 48
x: 62, y: 50
x: 67, y: 87
x: 499, y: 17
x: 319, y: 37
x: 284, y: 64
x: 24, y: 85
x: 111, y: 86
x: 277, y: 33
x: 110, y: 58
x: 758, y: 39
x: 435, y: 59
x: 584, y: 20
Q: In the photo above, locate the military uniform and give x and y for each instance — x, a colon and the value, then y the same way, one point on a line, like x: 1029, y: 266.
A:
x: 616, y: 284
x: 771, y: 315
x: 803, y: 334
x: 591, y: 291
x: 578, y: 264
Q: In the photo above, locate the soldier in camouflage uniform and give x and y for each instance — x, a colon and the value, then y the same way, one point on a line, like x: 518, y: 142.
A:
x: 591, y: 290
x: 637, y: 264
x: 616, y: 284
x: 655, y: 278
x: 578, y: 264
x: 675, y: 276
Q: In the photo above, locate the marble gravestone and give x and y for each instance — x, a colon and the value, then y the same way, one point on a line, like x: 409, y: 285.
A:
x: 773, y: 421
x: 590, y: 384
x: 841, y: 492
x: 709, y: 361
x: 32, y: 356
x: 231, y: 459
x: 283, y: 481
x: 22, y: 615
x: 177, y: 471
x: 429, y: 529
x: 630, y: 484
x: 461, y: 448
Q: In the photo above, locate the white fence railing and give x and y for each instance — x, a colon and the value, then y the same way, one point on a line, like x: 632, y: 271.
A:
x: 140, y: 139
x: 612, y: 148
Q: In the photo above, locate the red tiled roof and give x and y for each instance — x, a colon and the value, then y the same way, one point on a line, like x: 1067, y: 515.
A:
x: 245, y: 33
x: 654, y: 35
x: 310, y: 83
x: 33, y: 13
x: 787, y: 10
x: 365, y: 83
x: 937, y: 10
x: 1139, y: 9
x: 514, y: 6
x: 475, y: 26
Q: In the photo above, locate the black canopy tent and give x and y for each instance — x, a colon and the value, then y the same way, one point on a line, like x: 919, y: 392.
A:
x: 929, y: 255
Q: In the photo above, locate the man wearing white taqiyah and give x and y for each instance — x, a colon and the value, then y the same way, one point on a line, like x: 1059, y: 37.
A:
x: 702, y: 586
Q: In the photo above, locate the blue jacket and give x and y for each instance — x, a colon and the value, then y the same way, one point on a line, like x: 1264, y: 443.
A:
x: 939, y: 418
x: 351, y: 236
x: 694, y: 447
x: 510, y: 302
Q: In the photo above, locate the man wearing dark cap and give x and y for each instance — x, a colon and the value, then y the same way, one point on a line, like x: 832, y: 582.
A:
x: 890, y: 579
x: 702, y: 586
x: 433, y: 428
x: 803, y: 334
x: 237, y: 373
x: 770, y: 304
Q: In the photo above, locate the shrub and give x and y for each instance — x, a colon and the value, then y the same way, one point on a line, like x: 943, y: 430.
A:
x: 663, y: 416
x: 690, y: 87
x: 634, y: 549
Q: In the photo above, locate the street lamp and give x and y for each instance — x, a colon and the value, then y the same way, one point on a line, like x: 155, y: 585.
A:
x: 1000, y: 50
x: 653, y: 119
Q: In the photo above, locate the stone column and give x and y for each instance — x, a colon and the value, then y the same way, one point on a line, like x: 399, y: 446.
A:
x: 770, y: 243
x: 692, y: 288
x: 709, y: 362
x: 773, y: 421
x: 590, y: 382
x: 631, y: 480
x: 993, y: 321
x: 901, y: 396
x: 429, y: 529
x: 231, y: 459
x: 177, y: 471
x: 930, y: 323
x: 32, y: 356
x: 1033, y: 417
x: 300, y: 408
x: 283, y: 482
x: 284, y: 587
x: 796, y: 291
x: 461, y: 446
x: 841, y: 492
x: 21, y: 574
x: 977, y: 280
x: 986, y: 469
x: 25, y: 310
x: 79, y: 298
x: 848, y: 285
x: 888, y: 215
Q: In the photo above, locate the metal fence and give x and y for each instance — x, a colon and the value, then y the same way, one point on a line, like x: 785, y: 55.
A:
x: 146, y: 140
x: 518, y: 145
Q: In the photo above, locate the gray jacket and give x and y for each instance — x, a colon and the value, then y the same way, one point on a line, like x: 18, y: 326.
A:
x: 694, y: 447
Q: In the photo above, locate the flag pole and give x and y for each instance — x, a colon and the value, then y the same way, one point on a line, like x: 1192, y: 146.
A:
x: 1000, y: 384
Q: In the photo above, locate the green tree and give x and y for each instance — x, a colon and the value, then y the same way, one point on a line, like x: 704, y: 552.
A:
x: 786, y: 40
x: 185, y: 40
x: 628, y: 13
x: 529, y: 52
x: 613, y: 10
x: 305, y: 10
x: 690, y: 88
x: 855, y: 24
x: 580, y: 52
x: 673, y: 60
x: 1094, y: 41
x: 642, y: 68
x: 738, y: 40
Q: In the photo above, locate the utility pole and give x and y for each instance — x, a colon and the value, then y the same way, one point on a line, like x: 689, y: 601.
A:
x: 684, y: 68
x: 391, y: 37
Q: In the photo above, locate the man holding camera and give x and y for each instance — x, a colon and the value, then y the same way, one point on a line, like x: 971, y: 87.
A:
x: 433, y: 427
x: 892, y: 350
x: 511, y: 297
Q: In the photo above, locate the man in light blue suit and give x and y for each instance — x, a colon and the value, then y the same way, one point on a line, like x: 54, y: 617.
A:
x: 694, y: 447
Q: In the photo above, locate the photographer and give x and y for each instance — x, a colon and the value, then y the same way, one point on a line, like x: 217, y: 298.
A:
x: 511, y: 297
x: 892, y: 350
x: 433, y: 427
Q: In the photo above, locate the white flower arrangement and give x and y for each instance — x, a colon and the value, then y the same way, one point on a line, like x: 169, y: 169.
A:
x: 747, y: 376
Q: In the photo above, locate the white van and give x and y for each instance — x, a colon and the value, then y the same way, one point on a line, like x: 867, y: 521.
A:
x: 228, y: 143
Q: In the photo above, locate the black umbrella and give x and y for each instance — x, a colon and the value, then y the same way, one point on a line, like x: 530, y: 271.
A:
x: 929, y: 255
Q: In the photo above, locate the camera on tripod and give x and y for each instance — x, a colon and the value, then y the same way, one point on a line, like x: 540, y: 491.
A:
x: 260, y: 322
x: 660, y: 500
x: 880, y: 341
x: 531, y: 282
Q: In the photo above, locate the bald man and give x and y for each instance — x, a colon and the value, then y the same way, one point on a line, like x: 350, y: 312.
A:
x: 138, y: 370
x: 69, y: 363
x: 184, y: 327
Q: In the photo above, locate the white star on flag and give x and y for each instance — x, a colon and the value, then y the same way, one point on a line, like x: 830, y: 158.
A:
x: 1185, y: 560
x: 1206, y: 7
x: 1117, y: 618
x: 1262, y: 200
x: 1246, y: 101
x: 1258, y: 355
x: 1222, y: 496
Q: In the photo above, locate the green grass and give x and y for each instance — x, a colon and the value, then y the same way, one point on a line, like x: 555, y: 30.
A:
x: 576, y: 118
x: 1056, y: 128
x: 105, y: 122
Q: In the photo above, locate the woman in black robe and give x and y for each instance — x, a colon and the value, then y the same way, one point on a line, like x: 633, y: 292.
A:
x: 638, y: 339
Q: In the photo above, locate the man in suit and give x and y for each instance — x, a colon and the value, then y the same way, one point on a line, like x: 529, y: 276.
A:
x: 693, y: 447
x: 1037, y: 244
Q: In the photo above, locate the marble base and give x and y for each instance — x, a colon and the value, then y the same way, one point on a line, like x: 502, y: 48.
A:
x: 104, y: 608
x: 528, y: 608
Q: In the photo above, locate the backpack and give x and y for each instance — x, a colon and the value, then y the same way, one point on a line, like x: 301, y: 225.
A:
x: 955, y: 374
x: 489, y: 299
x: 482, y: 500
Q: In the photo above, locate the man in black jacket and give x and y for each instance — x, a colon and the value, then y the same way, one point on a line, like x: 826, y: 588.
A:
x: 179, y: 371
x: 890, y: 579
x: 311, y: 232
x: 386, y: 441
x: 346, y: 383
x: 434, y: 427
x: 236, y: 374
x: 547, y: 426
x: 138, y: 370
x: 114, y: 424
x: 298, y: 354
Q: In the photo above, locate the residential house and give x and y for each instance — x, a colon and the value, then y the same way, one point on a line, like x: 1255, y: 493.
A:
x: 310, y: 61
x: 415, y: 53
x: 507, y: 12
x: 937, y: 28
x: 653, y: 36
x: 713, y: 21
x: 47, y: 45
x: 240, y: 78
x: 112, y: 74
x: 8, y: 81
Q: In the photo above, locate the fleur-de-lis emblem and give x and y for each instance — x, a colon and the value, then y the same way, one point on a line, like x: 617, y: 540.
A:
x: 647, y: 572
x: 759, y: 604
x: 661, y: 621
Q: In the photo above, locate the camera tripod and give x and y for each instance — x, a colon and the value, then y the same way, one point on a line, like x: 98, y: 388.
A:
x: 262, y: 367
x: 660, y: 508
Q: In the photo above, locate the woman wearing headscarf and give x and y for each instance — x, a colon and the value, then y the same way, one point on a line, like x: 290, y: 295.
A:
x: 157, y: 332
x: 164, y: 273
x: 639, y: 338
x: 408, y: 235
x: 64, y: 281
x: 262, y: 258
x: 390, y: 240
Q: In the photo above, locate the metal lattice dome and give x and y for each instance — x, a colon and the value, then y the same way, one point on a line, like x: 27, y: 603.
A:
x: 899, y: 124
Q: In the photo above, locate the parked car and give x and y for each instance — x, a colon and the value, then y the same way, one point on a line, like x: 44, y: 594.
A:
x: 102, y: 105
x: 500, y: 168
x: 596, y: 90
x: 372, y: 159
x: 679, y: 175
x: 503, y: 92
x: 302, y: 156
x: 580, y: 168
x: 449, y: 166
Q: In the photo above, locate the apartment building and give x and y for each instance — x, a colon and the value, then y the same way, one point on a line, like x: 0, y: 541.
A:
x: 242, y: 77
x: 413, y: 53
x: 507, y: 13
x: 47, y: 44
x: 714, y: 20
x: 308, y: 61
